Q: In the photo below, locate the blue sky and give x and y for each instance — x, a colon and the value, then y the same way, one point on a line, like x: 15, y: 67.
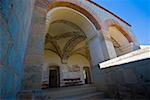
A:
x: 135, y: 12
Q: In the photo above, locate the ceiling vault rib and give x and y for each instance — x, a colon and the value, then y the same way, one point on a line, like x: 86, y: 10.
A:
x: 76, y: 27
x: 70, y: 45
x: 76, y: 36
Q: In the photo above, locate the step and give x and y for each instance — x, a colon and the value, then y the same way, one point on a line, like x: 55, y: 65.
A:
x: 69, y: 87
x: 82, y: 92
x: 69, y: 91
x: 84, y: 96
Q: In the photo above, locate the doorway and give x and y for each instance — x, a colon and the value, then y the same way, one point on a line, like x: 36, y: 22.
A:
x: 86, y: 74
x: 54, y: 78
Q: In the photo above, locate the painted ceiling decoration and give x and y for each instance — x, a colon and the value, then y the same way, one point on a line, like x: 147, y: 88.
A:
x: 76, y: 27
x: 84, y: 51
x: 65, y: 35
x: 73, y: 38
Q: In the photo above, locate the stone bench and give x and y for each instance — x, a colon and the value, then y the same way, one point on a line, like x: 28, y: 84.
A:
x: 45, y: 85
x: 72, y: 81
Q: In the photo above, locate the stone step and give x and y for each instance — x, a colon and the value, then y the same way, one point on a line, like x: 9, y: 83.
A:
x: 69, y: 88
x: 64, y: 93
x: 85, y: 96
x: 70, y: 91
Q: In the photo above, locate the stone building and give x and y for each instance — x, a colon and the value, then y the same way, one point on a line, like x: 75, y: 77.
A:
x: 57, y: 43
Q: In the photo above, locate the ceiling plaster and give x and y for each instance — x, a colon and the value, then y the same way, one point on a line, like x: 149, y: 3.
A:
x: 65, y: 43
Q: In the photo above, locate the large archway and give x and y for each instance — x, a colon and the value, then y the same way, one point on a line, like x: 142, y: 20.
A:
x: 67, y: 44
x: 82, y: 31
x: 118, y: 38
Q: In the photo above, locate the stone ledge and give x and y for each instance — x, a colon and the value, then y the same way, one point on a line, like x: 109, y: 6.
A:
x: 130, y: 57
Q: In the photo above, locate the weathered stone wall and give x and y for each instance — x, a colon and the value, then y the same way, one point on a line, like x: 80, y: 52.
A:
x: 35, y: 50
x: 72, y: 69
x: 15, y: 20
x: 126, y: 80
x: 15, y: 16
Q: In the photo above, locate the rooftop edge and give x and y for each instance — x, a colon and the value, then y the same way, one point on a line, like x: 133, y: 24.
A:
x: 108, y: 12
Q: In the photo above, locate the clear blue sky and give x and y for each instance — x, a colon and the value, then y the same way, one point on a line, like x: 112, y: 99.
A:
x: 135, y: 12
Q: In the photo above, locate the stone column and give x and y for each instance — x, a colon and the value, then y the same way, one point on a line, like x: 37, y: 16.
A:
x: 98, y: 53
x: 97, y: 47
x: 109, y: 45
x: 35, y: 51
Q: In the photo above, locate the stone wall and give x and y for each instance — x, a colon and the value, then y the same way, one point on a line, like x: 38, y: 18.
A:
x: 35, y: 50
x: 72, y: 69
x: 15, y: 16
x: 15, y: 20
x: 130, y: 80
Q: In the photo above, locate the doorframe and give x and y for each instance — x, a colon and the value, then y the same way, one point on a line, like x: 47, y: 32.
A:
x: 89, y: 74
x: 58, y: 74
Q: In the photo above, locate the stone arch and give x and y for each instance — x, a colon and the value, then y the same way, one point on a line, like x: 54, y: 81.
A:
x: 77, y: 8
x: 35, y: 51
x: 73, y: 4
x: 110, y: 22
x: 53, y: 16
x: 121, y: 40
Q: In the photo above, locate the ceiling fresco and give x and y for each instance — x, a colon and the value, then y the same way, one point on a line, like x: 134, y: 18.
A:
x: 66, y: 42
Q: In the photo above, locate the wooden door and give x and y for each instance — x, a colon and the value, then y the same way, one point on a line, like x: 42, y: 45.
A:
x: 87, y: 76
x: 53, y: 78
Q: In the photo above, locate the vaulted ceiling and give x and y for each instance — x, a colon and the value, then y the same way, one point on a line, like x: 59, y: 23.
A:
x: 65, y: 39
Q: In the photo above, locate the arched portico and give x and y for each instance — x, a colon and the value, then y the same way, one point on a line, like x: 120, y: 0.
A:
x: 66, y: 15
x: 46, y: 14
x: 40, y: 24
x: 55, y: 40
x: 70, y: 34
x: 117, y: 38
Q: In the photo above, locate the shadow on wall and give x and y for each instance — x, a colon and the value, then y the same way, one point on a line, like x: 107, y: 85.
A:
x: 14, y: 26
x: 131, y: 80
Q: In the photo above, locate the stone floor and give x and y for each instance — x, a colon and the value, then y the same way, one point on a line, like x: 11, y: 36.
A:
x: 81, y: 92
